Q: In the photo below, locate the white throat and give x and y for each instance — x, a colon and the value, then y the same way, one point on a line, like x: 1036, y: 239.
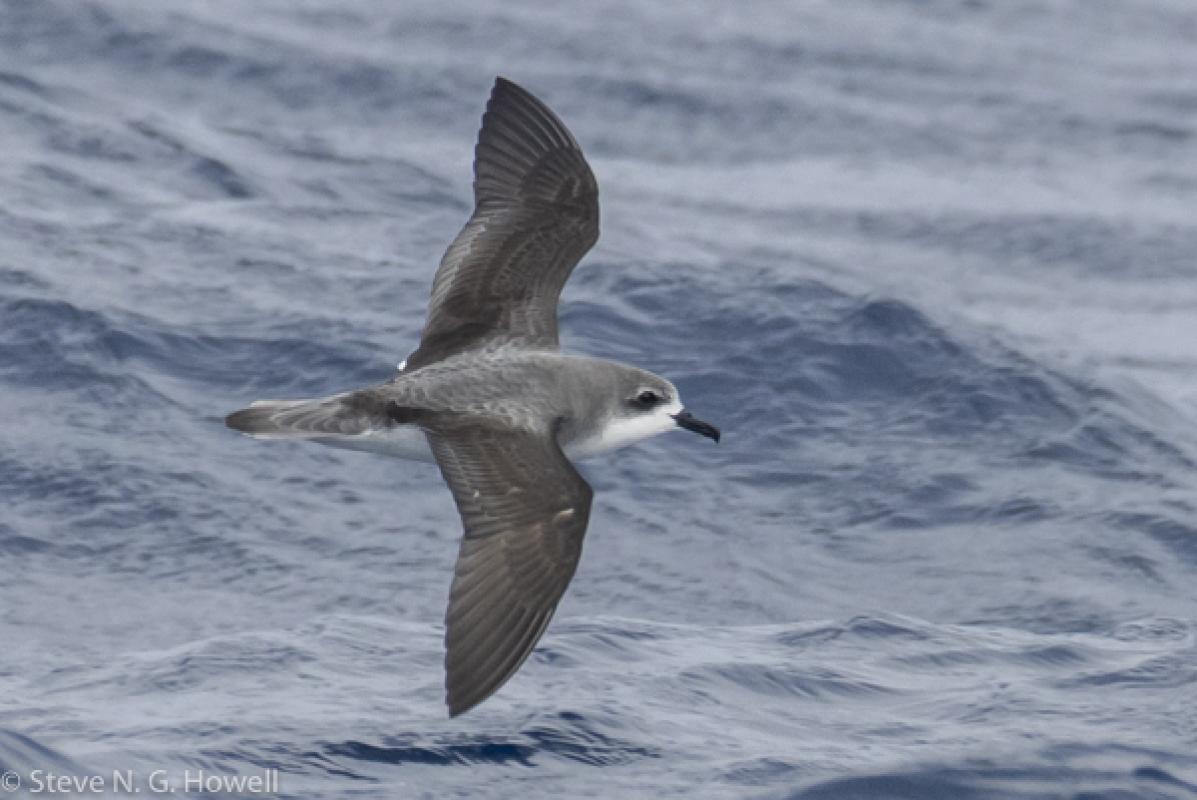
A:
x: 623, y: 431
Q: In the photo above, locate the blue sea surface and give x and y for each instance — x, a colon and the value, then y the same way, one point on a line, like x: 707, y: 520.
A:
x: 932, y: 267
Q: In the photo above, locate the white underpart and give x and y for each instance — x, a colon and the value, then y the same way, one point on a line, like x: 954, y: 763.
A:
x: 401, y: 441
x: 623, y: 431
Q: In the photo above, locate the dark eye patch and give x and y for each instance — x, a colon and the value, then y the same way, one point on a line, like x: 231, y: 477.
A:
x: 646, y: 399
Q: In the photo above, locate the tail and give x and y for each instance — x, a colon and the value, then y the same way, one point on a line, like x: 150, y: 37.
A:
x: 339, y: 415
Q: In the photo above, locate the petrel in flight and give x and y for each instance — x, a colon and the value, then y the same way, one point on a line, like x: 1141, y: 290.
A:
x: 491, y: 399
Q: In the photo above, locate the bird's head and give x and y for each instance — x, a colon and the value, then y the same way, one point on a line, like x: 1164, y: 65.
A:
x: 641, y: 404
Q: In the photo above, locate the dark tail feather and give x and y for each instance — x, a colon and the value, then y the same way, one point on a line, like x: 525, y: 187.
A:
x: 255, y: 421
x: 339, y: 415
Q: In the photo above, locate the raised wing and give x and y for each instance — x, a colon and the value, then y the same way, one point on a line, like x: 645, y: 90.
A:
x: 525, y: 510
x: 535, y: 215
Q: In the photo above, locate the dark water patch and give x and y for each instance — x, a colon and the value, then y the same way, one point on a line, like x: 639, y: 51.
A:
x: 877, y: 63
x: 867, y: 631
x: 131, y: 45
x: 881, y: 362
x: 20, y: 754
x: 569, y: 737
x: 891, y: 368
x: 1045, y: 657
x: 13, y: 278
x: 1154, y: 629
x: 940, y: 384
x: 575, y: 738
x: 30, y: 322
x: 324, y: 762
x: 762, y: 772
x: 1107, y: 441
x: 224, y: 177
x: 937, y: 784
x: 75, y: 184
x: 722, y: 127
x: 581, y: 642
x: 56, y: 346
x: 882, y: 628
x: 777, y: 681
x: 1173, y: 670
x: 944, y: 660
x: 1154, y: 132
x: 199, y: 61
x: 1054, y: 616
x: 284, y: 363
x: 86, y: 140
x: 616, y: 631
x: 988, y: 781
x: 13, y: 543
x: 1155, y: 774
x: 347, y: 180
x: 58, y: 483
x: 1126, y: 560
x: 215, y: 662
x: 807, y: 637
x: 1043, y: 241
x: 1022, y: 510
x: 441, y: 754
x: 22, y: 83
x: 210, y: 170
x: 61, y: 346
x: 668, y: 98
x: 121, y: 518
x: 267, y: 266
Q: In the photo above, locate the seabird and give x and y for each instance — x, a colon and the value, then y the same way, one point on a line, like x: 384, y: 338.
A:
x: 490, y: 398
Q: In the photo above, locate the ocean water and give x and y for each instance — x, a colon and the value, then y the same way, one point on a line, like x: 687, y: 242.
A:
x: 930, y: 265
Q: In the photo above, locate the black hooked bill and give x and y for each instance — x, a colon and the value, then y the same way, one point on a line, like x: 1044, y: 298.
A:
x: 686, y: 420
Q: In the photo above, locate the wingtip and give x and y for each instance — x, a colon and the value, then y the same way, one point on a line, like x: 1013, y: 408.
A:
x: 503, y: 83
x: 507, y: 93
x: 522, y: 137
x: 503, y: 86
x: 458, y: 705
